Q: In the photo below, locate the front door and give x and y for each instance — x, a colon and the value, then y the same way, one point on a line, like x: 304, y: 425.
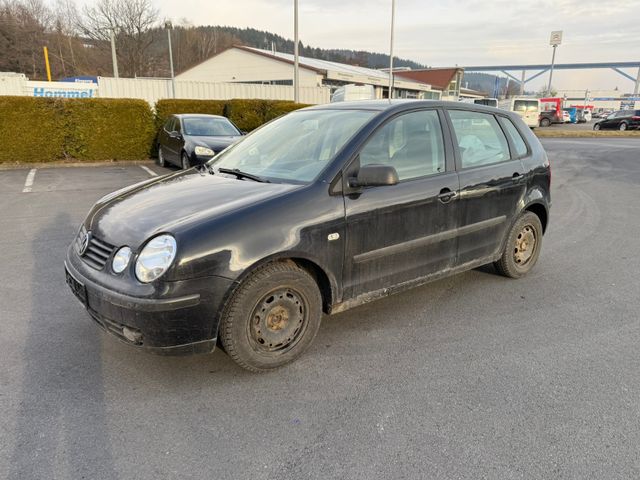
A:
x: 406, y: 231
x: 492, y: 183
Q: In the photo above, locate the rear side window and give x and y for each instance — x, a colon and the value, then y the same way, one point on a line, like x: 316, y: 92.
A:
x: 169, y: 125
x: 480, y: 139
x: 516, y: 138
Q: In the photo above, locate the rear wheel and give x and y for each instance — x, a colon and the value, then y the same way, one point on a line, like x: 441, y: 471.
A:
x: 545, y: 122
x: 161, y: 160
x: 185, y: 161
x: 623, y: 127
x: 522, y: 248
x: 271, y: 318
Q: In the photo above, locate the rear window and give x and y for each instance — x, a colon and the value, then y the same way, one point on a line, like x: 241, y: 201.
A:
x: 525, y: 106
x: 514, y: 135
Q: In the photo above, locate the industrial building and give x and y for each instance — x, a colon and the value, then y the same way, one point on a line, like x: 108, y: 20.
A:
x: 241, y: 64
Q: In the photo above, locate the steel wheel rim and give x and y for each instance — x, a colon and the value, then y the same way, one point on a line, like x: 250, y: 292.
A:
x: 525, y: 245
x: 278, y: 321
x: 623, y: 126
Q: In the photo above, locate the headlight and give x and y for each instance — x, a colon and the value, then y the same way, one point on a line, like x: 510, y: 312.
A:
x: 204, y: 151
x: 121, y: 260
x: 156, y: 257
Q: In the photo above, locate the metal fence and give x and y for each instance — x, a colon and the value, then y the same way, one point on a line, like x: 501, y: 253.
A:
x: 153, y: 90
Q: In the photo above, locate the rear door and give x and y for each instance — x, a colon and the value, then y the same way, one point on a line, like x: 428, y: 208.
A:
x: 399, y: 233
x: 492, y: 183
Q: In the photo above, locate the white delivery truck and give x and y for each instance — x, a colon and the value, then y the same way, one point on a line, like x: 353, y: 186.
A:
x: 351, y: 92
x: 528, y: 108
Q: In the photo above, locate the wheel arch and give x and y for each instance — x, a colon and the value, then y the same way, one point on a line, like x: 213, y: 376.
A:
x: 541, y: 211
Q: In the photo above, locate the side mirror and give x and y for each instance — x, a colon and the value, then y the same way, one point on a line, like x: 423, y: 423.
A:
x: 176, y: 135
x: 373, y: 175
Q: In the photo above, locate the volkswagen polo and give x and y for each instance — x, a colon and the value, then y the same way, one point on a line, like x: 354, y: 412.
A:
x: 319, y: 211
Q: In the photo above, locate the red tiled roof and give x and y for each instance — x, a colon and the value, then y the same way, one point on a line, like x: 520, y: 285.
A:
x: 436, y: 77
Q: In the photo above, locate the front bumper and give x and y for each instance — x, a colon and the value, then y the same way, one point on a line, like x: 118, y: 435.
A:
x: 182, y: 321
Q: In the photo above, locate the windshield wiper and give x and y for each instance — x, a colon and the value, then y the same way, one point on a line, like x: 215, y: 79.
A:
x: 240, y: 174
x: 208, y: 167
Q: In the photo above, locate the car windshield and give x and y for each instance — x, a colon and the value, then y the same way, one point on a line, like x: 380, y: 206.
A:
x: 208, y: 127
x: 296, y: 147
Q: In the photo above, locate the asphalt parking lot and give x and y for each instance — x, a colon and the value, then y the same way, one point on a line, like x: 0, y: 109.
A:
x: 475, y: 376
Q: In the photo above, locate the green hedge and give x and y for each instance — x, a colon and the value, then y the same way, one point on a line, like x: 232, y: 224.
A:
x: 30, y: 129
x: 47, y: 129
x: 109, y: 128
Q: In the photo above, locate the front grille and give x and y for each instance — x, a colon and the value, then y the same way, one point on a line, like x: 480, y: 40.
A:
x: 97, y: 252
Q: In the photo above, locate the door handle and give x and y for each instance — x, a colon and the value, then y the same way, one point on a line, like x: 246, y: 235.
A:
x: 517, y: 177
x: 446, y: 195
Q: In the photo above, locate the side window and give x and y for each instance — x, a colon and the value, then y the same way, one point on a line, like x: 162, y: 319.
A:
x: 480, y: 138
x: 411, y: 143
x: 168, y: 126
x: 516, y: 138
x: 176, y: 125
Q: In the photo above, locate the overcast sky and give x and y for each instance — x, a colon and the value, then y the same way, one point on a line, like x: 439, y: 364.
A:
x: 453, y: 32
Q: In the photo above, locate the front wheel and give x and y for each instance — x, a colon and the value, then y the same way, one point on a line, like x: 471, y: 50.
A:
x: 545, y: 122
x: 272, y: 317
x: 522, y: 248
x: 596, y: 126
x: 185, y: 161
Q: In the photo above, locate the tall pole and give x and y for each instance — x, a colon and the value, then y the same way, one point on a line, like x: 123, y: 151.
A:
x: 553, y: 61
x: 636, y: 89
x: 114, y: 59
x: 522, y: 83
x: 169, y: 26
x: 46, y: 63
x: 296, y: 55
x: 393, y: 15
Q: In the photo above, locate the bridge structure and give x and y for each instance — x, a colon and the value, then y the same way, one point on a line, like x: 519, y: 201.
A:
x: 541, y: 69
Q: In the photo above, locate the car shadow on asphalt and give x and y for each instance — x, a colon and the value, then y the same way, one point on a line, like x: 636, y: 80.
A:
x: 61, y: 423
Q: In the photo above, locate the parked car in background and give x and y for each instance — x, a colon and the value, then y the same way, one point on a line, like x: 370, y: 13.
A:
x: 620, y: 120
x: 321, y: 210
x: 572, y: 113
x: 549, y: 117
x: 527, y: 108
x: 489, y: 102
x: 186, y: 140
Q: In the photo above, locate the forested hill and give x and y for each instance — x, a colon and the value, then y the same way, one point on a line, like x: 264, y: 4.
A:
x: 266, y: 40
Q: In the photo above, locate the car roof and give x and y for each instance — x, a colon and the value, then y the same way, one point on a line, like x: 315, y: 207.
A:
x: 404, y: 104
x: 197, y: 115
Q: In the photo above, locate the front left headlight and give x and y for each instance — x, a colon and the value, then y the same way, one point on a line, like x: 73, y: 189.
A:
x: 155, y: 258
x: 204, y: 151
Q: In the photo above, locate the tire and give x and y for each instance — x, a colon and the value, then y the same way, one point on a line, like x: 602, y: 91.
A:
x: 161, y: 161
x: 522, y: 248
x: 184, y: 161
x: 596, y: 126
x: 623, y: 127
x: 545, y: 122
x: 272, y: 317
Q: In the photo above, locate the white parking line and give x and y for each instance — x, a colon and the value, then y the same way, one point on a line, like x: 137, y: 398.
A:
x: 149, y: 171
x: 28, y: 184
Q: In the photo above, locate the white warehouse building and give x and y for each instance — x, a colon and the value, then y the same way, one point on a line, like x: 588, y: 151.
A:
x: 241, y: 64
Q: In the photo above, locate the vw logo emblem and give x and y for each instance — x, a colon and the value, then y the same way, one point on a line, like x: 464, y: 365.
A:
x: 84, y: 243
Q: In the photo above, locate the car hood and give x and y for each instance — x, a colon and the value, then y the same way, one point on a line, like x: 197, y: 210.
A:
x: 215, y: 143
x: 172, y: 204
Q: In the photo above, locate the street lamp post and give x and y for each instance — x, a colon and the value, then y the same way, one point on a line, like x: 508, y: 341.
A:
x: 393, y: 14
x: 114, y: 59
x: 296, y: 55
x: 556, y: 39
x: 169, y: 26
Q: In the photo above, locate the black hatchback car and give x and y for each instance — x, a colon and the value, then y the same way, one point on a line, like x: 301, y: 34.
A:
x: 620, y: 120
x: 186, y: 140
x: 318, y: 211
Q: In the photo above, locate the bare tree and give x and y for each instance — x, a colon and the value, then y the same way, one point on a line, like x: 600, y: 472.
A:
x: 133, y: 23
